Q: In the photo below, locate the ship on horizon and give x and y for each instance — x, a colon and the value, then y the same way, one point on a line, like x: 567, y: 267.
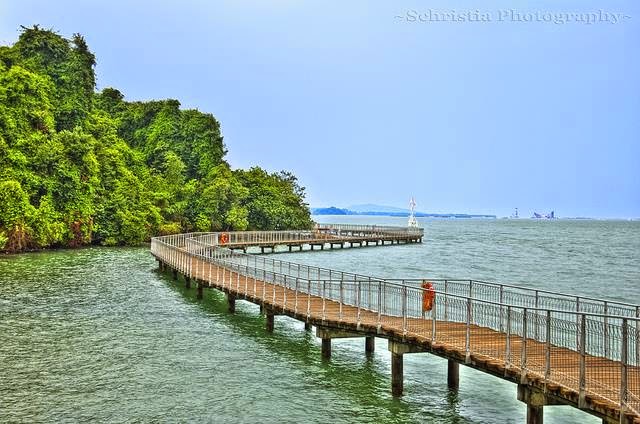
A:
x: 550, y: 215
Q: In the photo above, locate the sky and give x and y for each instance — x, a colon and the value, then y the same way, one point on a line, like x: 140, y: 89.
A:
x: 469, y: 106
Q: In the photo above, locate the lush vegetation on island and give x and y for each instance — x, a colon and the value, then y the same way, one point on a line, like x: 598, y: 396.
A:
x: 79, y: 167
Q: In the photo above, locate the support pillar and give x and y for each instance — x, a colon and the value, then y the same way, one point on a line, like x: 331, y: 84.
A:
x: 175, y: 274
x: 398, y: 349
x: 453, y: 375
x: 200, y: 291
x: 535, y: 414
x: 307, y: 326
x: 326, y: 348
x: 270, y: 321
x: 231, y: 300
x: 396, y: 374
x: 369, y: 345
x: 187, y: 282
x: 535, y: 400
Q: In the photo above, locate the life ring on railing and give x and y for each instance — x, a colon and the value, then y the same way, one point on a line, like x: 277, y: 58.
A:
x: 428, y: 296
x: 223, y: 238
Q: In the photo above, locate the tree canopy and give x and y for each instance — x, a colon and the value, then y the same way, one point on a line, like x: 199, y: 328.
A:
x: 82, y: 167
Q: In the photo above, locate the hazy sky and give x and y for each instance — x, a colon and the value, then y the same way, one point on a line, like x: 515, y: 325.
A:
x: 373, y: 102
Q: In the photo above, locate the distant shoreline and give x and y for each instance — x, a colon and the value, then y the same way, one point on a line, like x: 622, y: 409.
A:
x: 338, y: 211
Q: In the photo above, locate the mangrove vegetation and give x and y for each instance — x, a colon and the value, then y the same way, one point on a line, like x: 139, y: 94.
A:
x: 81, y: 167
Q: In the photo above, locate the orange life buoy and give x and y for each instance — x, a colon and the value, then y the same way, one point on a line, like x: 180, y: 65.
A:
x: 428, y: 296
x: 224, y: 238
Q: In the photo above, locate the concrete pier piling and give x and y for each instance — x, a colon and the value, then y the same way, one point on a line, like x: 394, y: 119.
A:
x: 270, y: 320
x: 453, y: 375
x: 231, y: 302
x: 369, y: 345
x: 326, y: 348
x: 397, y: 384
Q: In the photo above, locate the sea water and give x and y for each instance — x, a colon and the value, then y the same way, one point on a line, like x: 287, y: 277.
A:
x: 99, y: 334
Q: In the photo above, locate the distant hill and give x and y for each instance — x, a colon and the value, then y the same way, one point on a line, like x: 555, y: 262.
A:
x: 378, y: 210
x: 369, y: 207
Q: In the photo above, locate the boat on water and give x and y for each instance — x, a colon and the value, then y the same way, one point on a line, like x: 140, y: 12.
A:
x: 550, y: 215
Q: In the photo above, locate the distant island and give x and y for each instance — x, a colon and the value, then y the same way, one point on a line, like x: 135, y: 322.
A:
x: 380, y: 210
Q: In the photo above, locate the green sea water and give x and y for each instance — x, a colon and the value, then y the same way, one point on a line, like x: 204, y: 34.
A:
x: 99, y: 334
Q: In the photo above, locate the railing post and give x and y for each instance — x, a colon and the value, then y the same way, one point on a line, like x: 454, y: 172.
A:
x: 624, y: 352
x: 537, y: 316
x: 501, y: 301
x: 358, y: 286
x: 433, y: 322
x: 274, y: 292
x: 523, y: 351
x: 446, y: 300
x: 578, y: 321
x: 324, y: 289
x: 606, y: 329
x: 341, y: 296
x: 637, y: 336
x: 308, y: 298
x: 583, y: 369
x: 380, y: 289
x: 547, y: 359
x: 404, y: 310
x: 284, y: 294
x: 507, y: 355
x: 467, y: 338
x: 369, y: 294
x: 295, y: 307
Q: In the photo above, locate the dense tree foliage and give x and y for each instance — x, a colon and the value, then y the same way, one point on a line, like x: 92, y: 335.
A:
x: 80, y: 167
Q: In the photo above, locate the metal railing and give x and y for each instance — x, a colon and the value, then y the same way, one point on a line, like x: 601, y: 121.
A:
x: 588, y: 345
x: 320, y: 233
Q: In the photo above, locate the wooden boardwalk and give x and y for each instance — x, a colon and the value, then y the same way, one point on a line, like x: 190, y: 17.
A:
x: 546, y: 372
